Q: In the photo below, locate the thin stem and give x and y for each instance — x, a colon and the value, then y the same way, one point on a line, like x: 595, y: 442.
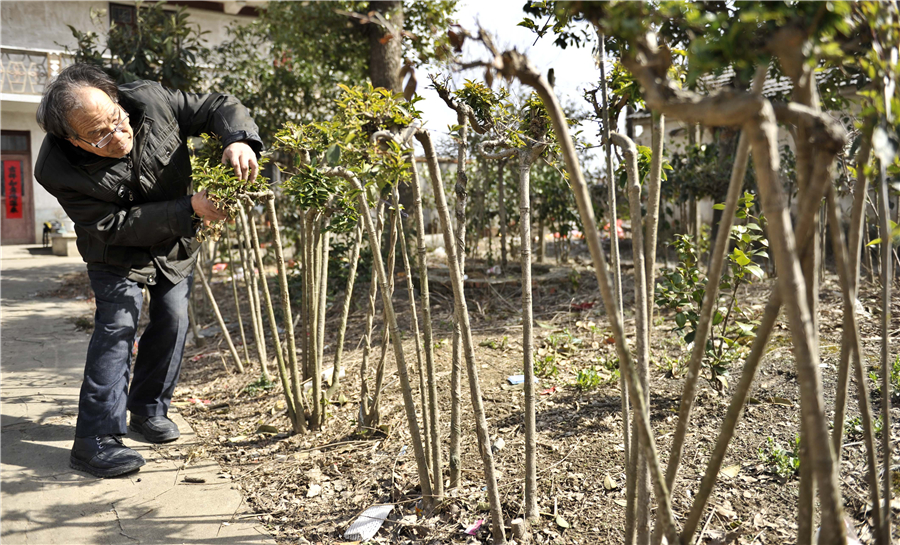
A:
x: 219, y: 319
x: 428, y: 338
x: 273, y: 326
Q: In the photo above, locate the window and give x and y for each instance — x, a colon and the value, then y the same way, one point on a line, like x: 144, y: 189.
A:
x: 121, y: 14
x: 12, y: 142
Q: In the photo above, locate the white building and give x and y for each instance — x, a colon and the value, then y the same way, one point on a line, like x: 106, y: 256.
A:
x: 33, y: 47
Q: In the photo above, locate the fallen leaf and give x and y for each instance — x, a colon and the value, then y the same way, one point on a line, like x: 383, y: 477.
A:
x: 267, y: 429
x: 726, y: 510
x: 621, y: 503
x: 314, y: 490
x: 609, y: 483
x: 731, y: 471
x: 562, y: 523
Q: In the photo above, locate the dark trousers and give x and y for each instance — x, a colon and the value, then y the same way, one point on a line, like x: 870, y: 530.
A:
x: 105, y: 394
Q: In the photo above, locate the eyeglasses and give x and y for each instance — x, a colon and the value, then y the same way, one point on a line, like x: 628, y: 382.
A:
x: 123, y: 116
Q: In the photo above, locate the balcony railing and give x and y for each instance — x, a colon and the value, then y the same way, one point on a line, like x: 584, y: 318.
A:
x: 27, y: 71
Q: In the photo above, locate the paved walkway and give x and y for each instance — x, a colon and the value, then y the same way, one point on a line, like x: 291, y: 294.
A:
x: 42, y: 500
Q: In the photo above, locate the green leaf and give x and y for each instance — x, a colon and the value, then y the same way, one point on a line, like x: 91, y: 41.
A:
x: 740, y: 258
x: 333, y: 155
x: 755, y: 270
x: 680, y: 319
x: 718, y: 318
x: 720, y: 206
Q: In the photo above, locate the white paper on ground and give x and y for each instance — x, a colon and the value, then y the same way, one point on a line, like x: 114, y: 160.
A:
x: 369, y: 522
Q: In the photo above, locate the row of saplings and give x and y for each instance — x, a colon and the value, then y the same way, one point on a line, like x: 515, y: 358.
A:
x: 343, y: 180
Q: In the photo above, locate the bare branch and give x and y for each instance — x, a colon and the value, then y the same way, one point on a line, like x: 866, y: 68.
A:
x: 502, y: 154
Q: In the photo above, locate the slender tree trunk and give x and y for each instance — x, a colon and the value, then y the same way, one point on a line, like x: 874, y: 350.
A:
x: 287, y: 319
x: 408, y: 402
x: 215, y: 307
x: 617, y: 290
x: 414, y: 321
x: 273, y: 325
x: 303, y: 311
x: 763, y: 140
x: 481, y: 429
x: 460, y: 189
x: 234, y: 291
x: 652, y: 221
x: 611, y: 197
x: 852, y: 340
x: 364, y: 401
x: 642, y: 361
x: 887, y: 270
x: 519, y: 66
x: 501, y: 203
x: 253, y: 294
x: 321, y: 300
x: 526, y: 159
x: 345, y: 313
x: 853, y: 261
x: 375, y: 409
x: 428, y: 339
x: 707, y: 311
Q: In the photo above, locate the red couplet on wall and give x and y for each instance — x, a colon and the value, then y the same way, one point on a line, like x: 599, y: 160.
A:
x: 12, y: 187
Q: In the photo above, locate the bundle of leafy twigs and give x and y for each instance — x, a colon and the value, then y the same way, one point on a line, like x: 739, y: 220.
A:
x: 222, y: 187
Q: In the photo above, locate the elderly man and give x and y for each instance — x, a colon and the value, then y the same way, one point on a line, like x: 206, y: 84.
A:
x: 117, y: 160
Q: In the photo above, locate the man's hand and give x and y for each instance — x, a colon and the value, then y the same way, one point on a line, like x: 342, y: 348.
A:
x: 242, y: 157
x: 205, y: 209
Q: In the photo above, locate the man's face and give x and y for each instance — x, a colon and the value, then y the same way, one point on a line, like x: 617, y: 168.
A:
x: 102, y: 122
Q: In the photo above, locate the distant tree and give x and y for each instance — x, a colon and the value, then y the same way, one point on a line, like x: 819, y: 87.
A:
x: 162, y: 45
x: 287, y: 64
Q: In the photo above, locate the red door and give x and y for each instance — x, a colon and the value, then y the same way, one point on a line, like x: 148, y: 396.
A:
x: 17, y: 209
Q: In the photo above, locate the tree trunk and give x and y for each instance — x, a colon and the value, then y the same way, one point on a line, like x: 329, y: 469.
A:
x: 526, y: 160
x: 428, y: 338
x: 252, y: 284
x: 763, y: 141
x: 652, y: 221
x: 641, y: 499
x: 234, y: 291
x: 414, y: 319
x: 345, y: 313
x: 408, y: 402
x: 273, y: 325
x: 375, y: 407
x: 481, y: 429
x: 364, y: 401
x: 215, y: 307
x: 385, y: 49
x: 460, y: 189
x: 529, y: 76
x: 287, y: 320
x: 501, y: 203
x: 887, y: 270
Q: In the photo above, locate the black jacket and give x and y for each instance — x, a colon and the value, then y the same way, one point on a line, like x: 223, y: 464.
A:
x: 133, y: 215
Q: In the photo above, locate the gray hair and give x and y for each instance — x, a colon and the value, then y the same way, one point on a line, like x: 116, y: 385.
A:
x: 63, y: 96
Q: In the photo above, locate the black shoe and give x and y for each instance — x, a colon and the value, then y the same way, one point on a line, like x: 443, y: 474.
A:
x: 156, y: 429
x: 104, y: 456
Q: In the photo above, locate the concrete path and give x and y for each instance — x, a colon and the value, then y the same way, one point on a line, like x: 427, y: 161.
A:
x: 42, y: 500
